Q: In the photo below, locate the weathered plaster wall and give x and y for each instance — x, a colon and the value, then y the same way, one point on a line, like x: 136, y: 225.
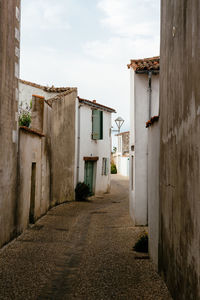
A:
x: 29, y: 152
x: 63, y: 148
x: 46, y: 159
x: 179, y: 255
x: 9, y: 73
x: 153, y: 173
x: 90, y: 147
x: 153, y: 189
x: 125, y: 142
x: 41, y: 120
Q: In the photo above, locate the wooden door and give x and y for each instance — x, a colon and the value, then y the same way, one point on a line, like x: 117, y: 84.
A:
x: 89, y: 174
x: 32, y: 198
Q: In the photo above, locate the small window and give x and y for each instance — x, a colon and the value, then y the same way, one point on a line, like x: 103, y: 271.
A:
x: 105, y: 166
x: 97, y: 124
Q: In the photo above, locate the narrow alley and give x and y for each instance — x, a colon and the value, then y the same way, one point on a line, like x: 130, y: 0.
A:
x: 81, y: 250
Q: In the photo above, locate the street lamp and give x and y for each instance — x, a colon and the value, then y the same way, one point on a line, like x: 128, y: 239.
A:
x: 119, y: 122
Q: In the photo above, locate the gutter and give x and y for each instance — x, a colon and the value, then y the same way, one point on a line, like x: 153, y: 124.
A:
x: 78, y: 145
x: 150, y: 92
x: 154, y: 72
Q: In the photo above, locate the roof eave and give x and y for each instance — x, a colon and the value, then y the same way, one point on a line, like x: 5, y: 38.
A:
x: 96, y: 105
x: 154, y: 72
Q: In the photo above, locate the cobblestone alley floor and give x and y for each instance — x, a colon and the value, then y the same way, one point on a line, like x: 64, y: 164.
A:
x: 81, y: 251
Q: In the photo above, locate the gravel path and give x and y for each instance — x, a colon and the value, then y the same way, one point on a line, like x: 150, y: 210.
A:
x: 81, y: 251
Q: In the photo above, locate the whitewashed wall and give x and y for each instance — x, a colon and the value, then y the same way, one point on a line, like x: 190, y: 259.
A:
x: 121, y: 161
x: 122, y: 164
x: 139, y: 108
x: 26, y: 92
x: 90, y: 147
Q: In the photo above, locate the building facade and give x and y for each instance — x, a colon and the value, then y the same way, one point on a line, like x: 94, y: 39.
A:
x: 94, y: 145
x: 121, y: 156
x: 53, y: 114
x: 179, y: 255
x: 9, y: 75
x: 144, y: 105
x: 68, y: 141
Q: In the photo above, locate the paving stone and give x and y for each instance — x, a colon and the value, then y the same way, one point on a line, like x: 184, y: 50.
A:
x: 81, y: 251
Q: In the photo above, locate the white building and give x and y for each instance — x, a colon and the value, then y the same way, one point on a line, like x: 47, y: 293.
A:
x: 92, y: 135
x: 121, y: 157
x: 94, y: 145
x: 27, y: 89
x: 144, y: 147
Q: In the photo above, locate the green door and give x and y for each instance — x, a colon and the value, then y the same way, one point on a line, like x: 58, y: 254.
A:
x: 89, y: 173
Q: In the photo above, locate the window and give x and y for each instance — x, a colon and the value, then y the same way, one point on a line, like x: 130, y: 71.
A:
x: 97, y: 124
x: 105, y: 166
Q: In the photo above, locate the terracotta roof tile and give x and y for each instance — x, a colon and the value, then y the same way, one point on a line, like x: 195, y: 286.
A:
x: 59, y: 96
x: 151, y: 121
x: 46, y: 88
x: 97, y: 105
x: 146, y: 64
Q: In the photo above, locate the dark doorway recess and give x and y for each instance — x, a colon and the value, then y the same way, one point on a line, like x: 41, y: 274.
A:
x: 32, y: 200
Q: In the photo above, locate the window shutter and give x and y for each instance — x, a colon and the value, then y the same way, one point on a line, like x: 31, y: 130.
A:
x: 97, y: 124
x: 103, y: 165
x: 107, y: 166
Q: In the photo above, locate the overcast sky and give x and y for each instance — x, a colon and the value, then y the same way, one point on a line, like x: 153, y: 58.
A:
x: 87, y: 44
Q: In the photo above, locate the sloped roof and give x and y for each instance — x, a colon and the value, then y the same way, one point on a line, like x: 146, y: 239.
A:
x: 97, y: 105
x: 60, y: 95
x: 48, y: 89
x: 146, y: 64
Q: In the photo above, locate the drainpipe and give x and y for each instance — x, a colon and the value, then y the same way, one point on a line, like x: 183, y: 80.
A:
x: 150, y: 93
x: 150, y: 96
x: 78, y: 144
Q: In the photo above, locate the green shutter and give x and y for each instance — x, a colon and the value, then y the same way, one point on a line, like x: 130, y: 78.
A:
x: 97, y: 124
x: 107, y: 166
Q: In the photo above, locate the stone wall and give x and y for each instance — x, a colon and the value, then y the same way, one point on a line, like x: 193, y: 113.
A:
x: 153, y: 189
x: 9, y: 73
x: 63, y: 148
x: 179, y: 255
x: 125, y: 142
x: 30, y: 156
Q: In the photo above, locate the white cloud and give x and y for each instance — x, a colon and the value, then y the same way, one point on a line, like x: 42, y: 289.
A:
x: 131, y: 17
x: 128, y: 29
x: 45, y: 14
x: 119, y: 50
x: 134, y: 27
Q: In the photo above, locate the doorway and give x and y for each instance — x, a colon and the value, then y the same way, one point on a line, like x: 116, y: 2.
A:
x: 89, y: 175
x: 32, y: 198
